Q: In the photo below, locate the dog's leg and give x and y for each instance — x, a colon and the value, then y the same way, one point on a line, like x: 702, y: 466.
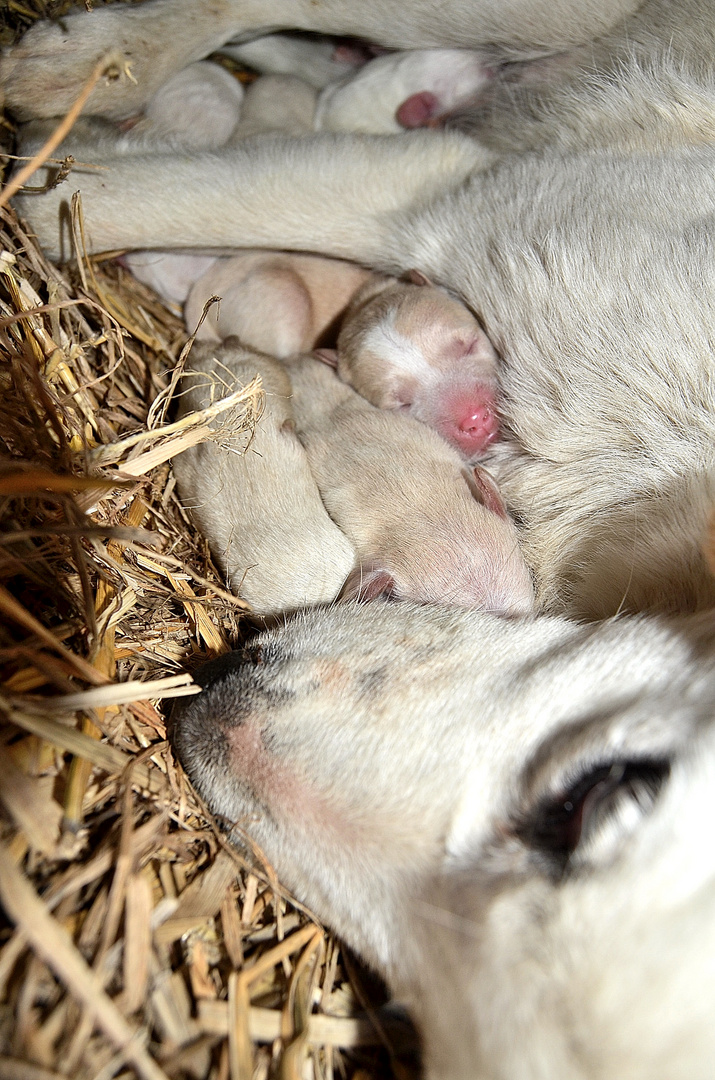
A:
x: 335, y: 195
x: 43, y: 74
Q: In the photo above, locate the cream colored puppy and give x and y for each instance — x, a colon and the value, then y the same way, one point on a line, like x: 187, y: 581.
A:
x: 425, y: 526
x: 260, y: 509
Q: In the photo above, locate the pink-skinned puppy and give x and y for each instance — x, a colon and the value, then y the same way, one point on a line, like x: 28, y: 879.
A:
x: 402, y: 345
x: 278, y: 302
x: 413, y: 347
x: 259, y: 507
x: 426, y: 527
x: 418, y: 88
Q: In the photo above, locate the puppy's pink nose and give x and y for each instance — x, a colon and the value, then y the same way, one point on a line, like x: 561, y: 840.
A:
x: 474, y: 432
x: 417, y: 111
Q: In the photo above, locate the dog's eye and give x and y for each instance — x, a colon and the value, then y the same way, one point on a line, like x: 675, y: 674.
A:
x: 562, y: 822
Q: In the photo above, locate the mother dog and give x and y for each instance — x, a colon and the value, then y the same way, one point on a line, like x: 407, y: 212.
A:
x: 588, y: 258
x: 511, y: 820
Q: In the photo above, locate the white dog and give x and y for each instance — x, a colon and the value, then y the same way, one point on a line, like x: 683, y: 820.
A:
x: 511, y: 819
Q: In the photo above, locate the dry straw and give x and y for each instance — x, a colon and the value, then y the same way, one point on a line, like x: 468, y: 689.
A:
x: 137, y: 942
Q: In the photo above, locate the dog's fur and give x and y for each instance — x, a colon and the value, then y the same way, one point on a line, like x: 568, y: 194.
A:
x: 408, y: 771
x: 432, y: 827
x: 588, y: 263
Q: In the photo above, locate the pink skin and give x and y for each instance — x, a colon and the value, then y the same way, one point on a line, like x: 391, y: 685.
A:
x: 420, y: 351
x: 467, y: 413
x: 425, y: 109
x: 467, y: 416
x: 463, y: 411
x: 353, y: 52
x: 418, y: 110
x: 472, y: 424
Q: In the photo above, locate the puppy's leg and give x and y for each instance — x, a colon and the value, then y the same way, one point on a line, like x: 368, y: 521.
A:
x: 43, y: 74
x: 336, y: 195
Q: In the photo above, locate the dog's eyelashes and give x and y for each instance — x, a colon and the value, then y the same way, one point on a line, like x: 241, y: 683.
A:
x: 613, y: 792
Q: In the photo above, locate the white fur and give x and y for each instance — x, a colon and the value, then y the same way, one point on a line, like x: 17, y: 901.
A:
x: 399, y: 352
x: 404, y: 749
x: 200, y: 107
x: 369, y: 100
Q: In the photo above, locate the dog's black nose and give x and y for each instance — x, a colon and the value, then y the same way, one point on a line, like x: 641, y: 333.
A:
x: 198, y: 724
x: 219, y: 703
x: 214, y: 671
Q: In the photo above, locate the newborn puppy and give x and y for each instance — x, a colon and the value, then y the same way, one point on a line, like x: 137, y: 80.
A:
x: 277, y: 302
x: 408, y: 346
x: 197, y: 109
x: 426, y: 527
x: 402, y: 90
x: 316, y: 60
x: 276, y: 103
x: 411, y: 346
x: 260, y: 510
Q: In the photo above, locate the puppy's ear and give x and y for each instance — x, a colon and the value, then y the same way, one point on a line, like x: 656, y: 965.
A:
x: 484, y: 489
x: 368, y: 583
x: 417, y: 277
x: 328, y: 356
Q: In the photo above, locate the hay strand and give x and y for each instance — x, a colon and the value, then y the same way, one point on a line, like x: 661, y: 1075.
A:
x: 53, y: 944
x: 102, y: 67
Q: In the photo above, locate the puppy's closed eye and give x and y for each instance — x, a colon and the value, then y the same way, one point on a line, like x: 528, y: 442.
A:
x: 570, y: 825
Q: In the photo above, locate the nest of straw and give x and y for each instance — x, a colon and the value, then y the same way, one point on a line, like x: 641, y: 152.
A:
x: 136, y: 942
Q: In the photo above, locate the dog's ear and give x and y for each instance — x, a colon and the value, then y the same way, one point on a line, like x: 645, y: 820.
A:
x: 417, y: 277
x: 484, y: 489
x: 368, y: 582
x: 328, y: 356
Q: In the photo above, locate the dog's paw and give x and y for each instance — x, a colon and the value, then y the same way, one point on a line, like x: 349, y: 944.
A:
x: 43, y: 74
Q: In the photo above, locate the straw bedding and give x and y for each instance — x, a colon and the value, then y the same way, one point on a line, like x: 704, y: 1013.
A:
x: 136, y: 942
